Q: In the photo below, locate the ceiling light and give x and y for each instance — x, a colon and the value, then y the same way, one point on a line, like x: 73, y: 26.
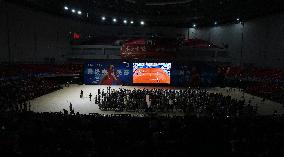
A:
x: 79, y: 12
x: 73, y: 10
x: 114, y: 20
x: 66, y: 8
x: 142, y: 23
x: 125, y: 21
x: 132, y: 22
x: 103, y: 18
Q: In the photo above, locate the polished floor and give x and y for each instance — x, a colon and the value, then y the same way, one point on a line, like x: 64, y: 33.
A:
x: 59, y: 100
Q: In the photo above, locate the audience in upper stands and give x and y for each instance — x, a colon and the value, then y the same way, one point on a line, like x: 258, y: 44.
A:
x: 254, y: 74
x: 24, y: 70
x: 267, y: 83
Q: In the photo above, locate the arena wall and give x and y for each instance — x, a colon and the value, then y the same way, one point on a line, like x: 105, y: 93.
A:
x: 262, y: 43
x: 37, y: 36
x: 32, y: 36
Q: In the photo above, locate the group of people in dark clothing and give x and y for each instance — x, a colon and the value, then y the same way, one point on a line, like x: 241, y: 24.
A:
x: 16, y: 93
x: 57, y: 135
x: 191, y: 101
x: 213, y: 124
x: 82, y: 95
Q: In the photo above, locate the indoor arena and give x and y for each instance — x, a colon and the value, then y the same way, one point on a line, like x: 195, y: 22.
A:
x: 147, y: 78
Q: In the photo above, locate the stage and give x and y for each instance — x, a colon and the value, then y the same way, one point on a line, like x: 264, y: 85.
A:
x: 59, y: 100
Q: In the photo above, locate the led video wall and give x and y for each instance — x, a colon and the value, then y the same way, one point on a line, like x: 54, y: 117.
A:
x: 152, y: 73
x: 105, y: 72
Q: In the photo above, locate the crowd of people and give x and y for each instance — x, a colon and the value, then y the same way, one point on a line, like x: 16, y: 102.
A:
x: 195, y: 101
x: 15, y: 94
x: 212, y: 124
x: 54, y: 134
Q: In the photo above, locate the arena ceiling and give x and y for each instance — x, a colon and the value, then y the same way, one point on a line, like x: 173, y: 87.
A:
x: 178, y: 13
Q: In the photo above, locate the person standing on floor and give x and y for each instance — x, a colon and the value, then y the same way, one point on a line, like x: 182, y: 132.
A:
x: 70, y: 107
x: 148, y: 102
x: 90, y: 96
x: 81, y: 94
x: 29, y: 106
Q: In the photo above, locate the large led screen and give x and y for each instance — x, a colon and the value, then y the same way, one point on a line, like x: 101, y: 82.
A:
x: 151, y: 73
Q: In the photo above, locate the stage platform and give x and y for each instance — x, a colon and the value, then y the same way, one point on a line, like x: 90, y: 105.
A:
x: 59, y: 100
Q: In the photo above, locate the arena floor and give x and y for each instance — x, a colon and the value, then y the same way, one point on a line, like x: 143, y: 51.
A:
x: 59, y: 100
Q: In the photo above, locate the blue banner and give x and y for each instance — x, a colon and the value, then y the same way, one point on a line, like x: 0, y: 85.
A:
x: 108, y: 73
x: 193, y: 75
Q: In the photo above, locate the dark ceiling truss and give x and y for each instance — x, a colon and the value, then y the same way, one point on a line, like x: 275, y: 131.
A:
x: 178, y: 13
